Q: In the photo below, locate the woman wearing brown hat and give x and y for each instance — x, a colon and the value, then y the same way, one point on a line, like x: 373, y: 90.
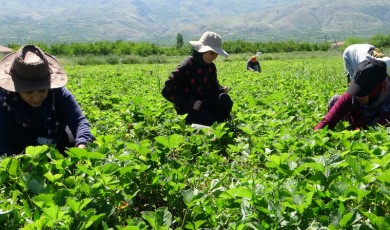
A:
x: 193, y: 86
x: 35, y: 107
x: 367, y: 100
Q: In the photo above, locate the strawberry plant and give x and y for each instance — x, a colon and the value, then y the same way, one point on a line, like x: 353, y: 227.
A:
x: 265, y: 168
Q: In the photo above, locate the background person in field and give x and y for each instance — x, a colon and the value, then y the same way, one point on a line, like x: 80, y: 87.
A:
x: 193, y: 86
x: 253, y: 64
x: 35, y: 107
x: 367, y: 100
x: 356, y: 53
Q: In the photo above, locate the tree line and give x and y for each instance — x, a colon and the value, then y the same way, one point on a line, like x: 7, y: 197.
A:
x: 144, y: 49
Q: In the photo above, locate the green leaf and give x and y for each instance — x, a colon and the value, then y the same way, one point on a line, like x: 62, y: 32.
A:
x: 175, y: 140
x: 340, y: 188
x: 346, y: 218
x: 164, y: 217
x: 110, y: 168
x: 95, y: 219
x: 302, y: 201
x: 35, y: 186
x: 172, y: 142
x: 85, y: 169
x: 195, y: 225
x: 356, y: 146
x: 36, y: 151
x: 27, y: 209
x: 242, y: 192
x: 362, y: 193
x: 246, y: 209
x: 83, y: 154
x: 73, y: 204
x: 160, y: 219
x: 356, y: 168
x: 3, y: 177
x: 191, y: 197
x: 274, y: 161
x: 13, y: 167
x: 384, y: 177
x: 216, y: 187
x: 53, y: 214
x: 383, y: 162
x: 52, y: 177
x: 43, y: 200
x: 162, y: 140
x: 312, y: 166
x: 378, y: 221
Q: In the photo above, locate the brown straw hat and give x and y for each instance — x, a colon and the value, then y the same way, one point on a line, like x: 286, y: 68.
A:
x: 210, y: 41
x: 31, y: 69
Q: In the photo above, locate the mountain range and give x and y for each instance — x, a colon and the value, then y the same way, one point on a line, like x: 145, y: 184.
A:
x: 159, y: 21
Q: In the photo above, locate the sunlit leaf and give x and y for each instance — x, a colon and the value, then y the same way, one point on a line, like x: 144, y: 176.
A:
x: 160, y: 219
x: 110, y: 168
x: 191, y: 197
x: 13, y: 167
x: 384, y: 176
x: 241, y: 192
x: 356, y: 168
x: 346, y: 218
x: 170, y: 142
x: 36, y: 151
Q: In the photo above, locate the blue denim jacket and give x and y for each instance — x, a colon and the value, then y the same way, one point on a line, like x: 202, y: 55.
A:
x: 46, y: 123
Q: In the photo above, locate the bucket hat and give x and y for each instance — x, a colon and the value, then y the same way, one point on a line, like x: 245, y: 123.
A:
x: 31, y: 69
x: 368, y: 74
x: 210, y: 41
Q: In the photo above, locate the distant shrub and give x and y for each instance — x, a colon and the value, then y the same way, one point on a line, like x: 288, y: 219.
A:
x: 113, y: 60
x: 145, y: 49
x: 90, y: 60
x: 130, y: 60
x: 380, y: 40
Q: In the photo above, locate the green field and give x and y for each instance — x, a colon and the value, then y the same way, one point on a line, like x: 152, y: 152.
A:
x: 265, y: 168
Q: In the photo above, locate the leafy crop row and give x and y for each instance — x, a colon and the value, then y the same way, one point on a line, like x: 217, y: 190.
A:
x: 264, y: 168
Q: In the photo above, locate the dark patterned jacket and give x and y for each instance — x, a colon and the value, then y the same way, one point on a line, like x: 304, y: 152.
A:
x: 192, y: 80
x: 45, y: 123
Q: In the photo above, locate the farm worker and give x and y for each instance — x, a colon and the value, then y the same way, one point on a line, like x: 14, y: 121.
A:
x: 357, y: 53
x: 193, y: 86
x: 253, y: 64
x: 35, y: 107
x: 366, y: 101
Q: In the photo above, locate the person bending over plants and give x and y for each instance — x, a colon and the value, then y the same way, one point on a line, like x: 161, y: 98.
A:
x: 193, y: 86
x: 366, y: 101
x: 35, y: 107
x: 253, y: 64
x: 357, y: 53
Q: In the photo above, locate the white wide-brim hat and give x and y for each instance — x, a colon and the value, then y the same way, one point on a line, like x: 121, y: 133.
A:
x: 210, y: 41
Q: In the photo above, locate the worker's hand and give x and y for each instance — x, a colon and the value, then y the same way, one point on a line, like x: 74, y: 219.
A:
x: 82, y: 146
x: 197, y: 105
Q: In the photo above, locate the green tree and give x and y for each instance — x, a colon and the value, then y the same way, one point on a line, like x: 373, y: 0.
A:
x: 179, y: 40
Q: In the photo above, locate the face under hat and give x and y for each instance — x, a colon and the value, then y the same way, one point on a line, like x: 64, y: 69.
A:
x: 368, y: 74
x: 210, y: 41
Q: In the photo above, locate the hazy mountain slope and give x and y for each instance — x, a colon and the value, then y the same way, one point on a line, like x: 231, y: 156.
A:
x: 159, y: 21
